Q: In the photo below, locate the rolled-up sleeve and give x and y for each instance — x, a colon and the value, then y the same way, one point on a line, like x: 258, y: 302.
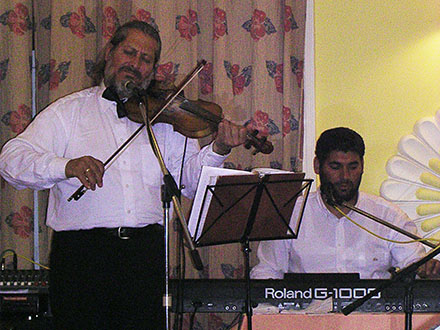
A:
x: 33, y: 159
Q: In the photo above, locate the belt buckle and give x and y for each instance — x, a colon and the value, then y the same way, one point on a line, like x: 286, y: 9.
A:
x: 120, y: 235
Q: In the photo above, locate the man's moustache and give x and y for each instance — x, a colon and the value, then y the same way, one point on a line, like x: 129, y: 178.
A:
x: 131, y: 70
x: 348, y: 184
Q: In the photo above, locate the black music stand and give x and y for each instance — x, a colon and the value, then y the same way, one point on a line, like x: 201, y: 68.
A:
x: 244, y: 208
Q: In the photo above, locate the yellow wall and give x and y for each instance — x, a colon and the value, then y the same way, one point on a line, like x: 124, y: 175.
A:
x: 377, y: 70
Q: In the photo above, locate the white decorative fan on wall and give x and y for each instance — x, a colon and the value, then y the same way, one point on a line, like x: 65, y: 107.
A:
x: 414, y: 176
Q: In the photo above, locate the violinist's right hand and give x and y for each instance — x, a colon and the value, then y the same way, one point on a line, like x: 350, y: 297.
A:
x: 87, y: 169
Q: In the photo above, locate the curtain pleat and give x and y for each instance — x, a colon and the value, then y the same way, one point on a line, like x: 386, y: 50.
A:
x: 254, y: 52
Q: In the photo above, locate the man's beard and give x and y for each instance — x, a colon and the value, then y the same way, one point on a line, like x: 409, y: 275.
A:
x: 120, y: 86
x: 338, y: 195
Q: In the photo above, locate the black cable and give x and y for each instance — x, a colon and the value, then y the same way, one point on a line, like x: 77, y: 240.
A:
x: 180, y: 275
x: 181, y: 261
x: 237, y: 320
x: 196, y: 305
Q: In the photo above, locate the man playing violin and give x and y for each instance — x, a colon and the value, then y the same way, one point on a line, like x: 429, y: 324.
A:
x: 107, y: 251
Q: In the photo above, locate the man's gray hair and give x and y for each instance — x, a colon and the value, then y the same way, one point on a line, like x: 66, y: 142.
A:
x: 119, y: 36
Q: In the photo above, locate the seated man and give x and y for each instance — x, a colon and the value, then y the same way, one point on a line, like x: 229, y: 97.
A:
x: 328, y: 242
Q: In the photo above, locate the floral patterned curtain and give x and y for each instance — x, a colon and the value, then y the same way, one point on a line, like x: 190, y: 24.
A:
x: 254, y: 52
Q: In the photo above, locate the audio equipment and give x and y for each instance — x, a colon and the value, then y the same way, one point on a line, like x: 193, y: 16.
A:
x: 24, y: 292
x: 211, y: 296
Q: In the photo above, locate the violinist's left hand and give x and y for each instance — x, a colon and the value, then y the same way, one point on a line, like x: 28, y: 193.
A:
x: 431, y: 269
x: 229, y: 135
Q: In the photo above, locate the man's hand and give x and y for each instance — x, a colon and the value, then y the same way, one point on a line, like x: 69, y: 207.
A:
x: 430, y: 269
x: 229, y: 135
x: 87, y: 169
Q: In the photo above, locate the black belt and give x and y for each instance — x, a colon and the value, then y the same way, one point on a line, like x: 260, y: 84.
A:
x: 128, y: 232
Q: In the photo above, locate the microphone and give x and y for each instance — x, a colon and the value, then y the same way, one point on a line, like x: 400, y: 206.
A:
x: 130, y: 86
x: 328, y: 195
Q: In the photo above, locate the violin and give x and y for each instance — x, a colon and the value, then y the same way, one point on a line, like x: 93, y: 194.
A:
x: 192, y: 118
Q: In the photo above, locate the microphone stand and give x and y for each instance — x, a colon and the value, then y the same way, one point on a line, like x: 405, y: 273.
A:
x: 406, y: 274
x: 387, y: 224
x: 170, y: 192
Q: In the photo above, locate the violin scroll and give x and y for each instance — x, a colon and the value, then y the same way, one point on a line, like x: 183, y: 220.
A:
x: 260, y: 144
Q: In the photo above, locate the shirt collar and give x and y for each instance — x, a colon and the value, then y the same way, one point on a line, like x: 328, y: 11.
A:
x: 110, y: 95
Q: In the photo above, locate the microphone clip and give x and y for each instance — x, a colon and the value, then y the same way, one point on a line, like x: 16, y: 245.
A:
x: 130, y: 86
x: 327, y: 194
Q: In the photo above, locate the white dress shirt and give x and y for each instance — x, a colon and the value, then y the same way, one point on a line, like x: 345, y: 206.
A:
x: 327, y: 244
x: 82, y: 124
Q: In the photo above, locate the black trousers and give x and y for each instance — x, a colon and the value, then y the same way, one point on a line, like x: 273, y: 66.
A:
x: 99, y: 281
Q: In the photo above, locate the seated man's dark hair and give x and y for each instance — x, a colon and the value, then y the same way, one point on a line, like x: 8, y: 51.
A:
x: 339, y: 139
